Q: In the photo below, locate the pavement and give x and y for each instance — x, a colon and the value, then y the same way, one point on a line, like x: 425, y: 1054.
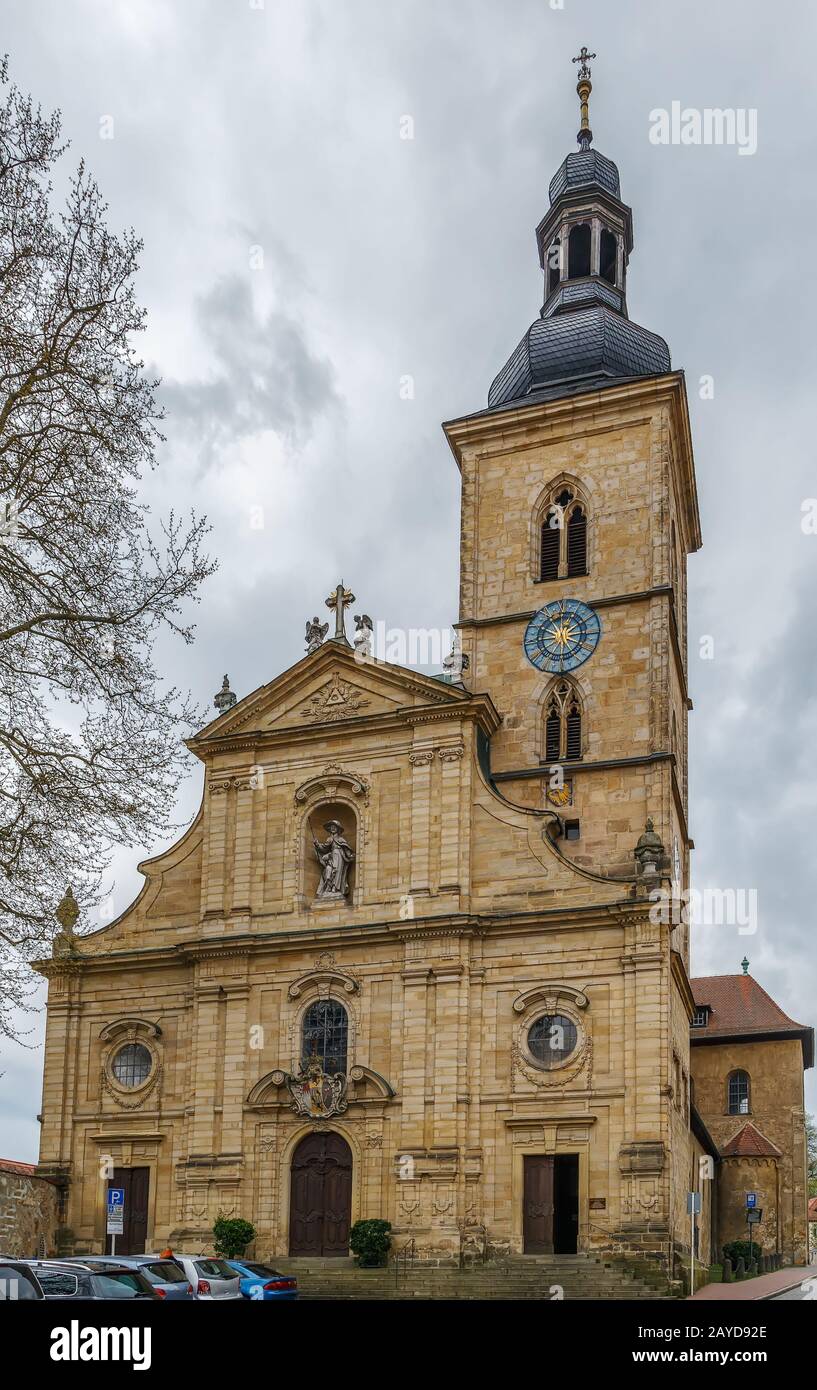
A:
x: 764, y: 1286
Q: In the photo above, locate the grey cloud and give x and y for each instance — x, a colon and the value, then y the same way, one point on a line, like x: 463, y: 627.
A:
x: 265, y: 375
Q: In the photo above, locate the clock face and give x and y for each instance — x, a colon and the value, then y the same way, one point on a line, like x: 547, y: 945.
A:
x: 562, y: 635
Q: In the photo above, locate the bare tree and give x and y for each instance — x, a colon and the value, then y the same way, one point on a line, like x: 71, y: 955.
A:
x: 90, y: 745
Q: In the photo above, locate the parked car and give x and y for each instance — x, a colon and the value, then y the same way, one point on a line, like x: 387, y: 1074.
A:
x: 210, y: 1276
x: 165, y: 1275
x: 262, y: 1282
x: 75, y: 1279
x: 18, y: 1281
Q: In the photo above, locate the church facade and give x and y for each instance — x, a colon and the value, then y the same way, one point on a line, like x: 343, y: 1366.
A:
x: 408, y: 961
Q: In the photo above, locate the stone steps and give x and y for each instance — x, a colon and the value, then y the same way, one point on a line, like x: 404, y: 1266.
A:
x: 579, y: 1277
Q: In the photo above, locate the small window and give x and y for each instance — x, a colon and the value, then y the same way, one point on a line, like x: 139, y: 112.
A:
x: 700, y: 1018
x: 572, y: 830
x: 578, y: 251
x: 608, y: 253
x: 132, y: 1065
x: 552, y: 1039
x: 739, y: 1093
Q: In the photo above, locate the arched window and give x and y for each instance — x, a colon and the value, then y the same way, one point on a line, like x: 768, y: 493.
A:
x: 608, y: 255
x: 563, y: 538
x: 738, y: 1093
x: 563, y: 724
x: 325, y: 1035
x: 578, y: 251
x: 554, y: 264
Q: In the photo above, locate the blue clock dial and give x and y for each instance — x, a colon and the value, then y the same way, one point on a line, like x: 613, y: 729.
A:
x: 562, y: 635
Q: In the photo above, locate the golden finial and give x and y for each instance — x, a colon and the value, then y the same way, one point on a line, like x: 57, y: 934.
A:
x: 584, y: 87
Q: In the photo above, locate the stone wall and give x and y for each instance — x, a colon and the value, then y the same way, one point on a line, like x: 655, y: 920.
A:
x: 29, y: 1211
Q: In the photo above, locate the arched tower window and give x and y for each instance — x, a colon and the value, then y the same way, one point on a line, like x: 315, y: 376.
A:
x: 608, y: 254
x: 563, y: 538
x: 325, y: 1035
x: 738, y: 1093
x: 554, y: 264
x: 563, y: 724
x: 578, y: 251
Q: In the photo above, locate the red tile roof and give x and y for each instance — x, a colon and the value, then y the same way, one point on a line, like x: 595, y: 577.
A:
x: 812, y: 1208
x: 739, y: 1006
x: 750, y: 1143
x: 9, y: 1165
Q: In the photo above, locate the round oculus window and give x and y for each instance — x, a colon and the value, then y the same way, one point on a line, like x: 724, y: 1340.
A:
x: 132, y: 1065
x: 552, y: 1039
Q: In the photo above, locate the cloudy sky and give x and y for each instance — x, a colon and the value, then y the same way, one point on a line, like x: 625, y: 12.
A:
x: 301, y: 259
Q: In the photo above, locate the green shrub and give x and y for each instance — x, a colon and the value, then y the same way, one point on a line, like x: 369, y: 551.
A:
x: 370, y: 1241
x: 231, y: 1236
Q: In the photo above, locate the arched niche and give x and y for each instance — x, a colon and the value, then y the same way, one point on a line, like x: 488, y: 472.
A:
x: 315, y: 828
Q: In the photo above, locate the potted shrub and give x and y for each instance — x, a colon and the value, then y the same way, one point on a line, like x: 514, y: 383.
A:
x: 231, y: 1236
x: 370, y: 1241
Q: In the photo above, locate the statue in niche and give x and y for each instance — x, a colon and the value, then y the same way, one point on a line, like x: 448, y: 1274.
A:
x: 335, y: 857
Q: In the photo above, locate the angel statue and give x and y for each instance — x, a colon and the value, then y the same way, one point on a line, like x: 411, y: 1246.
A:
x: 364, y: 635
x: 315, y: 633
x: 335, y: 857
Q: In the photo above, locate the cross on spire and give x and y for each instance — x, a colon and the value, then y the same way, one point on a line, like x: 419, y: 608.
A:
x: 339, y: 600
x: 584, y: 87
x: 583, y: 58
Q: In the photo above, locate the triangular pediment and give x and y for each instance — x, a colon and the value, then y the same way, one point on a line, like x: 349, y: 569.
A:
x: 330, y: 686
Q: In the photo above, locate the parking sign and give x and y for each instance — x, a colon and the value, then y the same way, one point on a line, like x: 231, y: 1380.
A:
x: 116, y: 1211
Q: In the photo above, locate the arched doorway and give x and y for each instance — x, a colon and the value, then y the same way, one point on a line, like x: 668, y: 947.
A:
x: 320, y: 1199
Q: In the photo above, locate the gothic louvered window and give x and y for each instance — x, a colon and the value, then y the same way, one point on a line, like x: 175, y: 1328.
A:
x: 325, y: 1035
x: 563, y: 725
x: 563, y: 537
x: 573, y: 731
x: 739, y: 1093
x: 577, y: 542
x: 553, y: 734
x: 551, y: 546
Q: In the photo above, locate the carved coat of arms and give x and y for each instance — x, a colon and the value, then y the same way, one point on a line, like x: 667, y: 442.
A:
x: 316, y: 1094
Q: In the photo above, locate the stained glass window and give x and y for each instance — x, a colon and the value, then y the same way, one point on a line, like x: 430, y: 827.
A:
x: 326, y: 1035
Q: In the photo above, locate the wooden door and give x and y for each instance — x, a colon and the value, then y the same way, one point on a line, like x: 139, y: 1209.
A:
x: 320, y: 1203
x: 537, y: 1225
x: 135, y: 1183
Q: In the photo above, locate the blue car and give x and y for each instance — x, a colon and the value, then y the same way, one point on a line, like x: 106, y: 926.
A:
x: 262, y: 1282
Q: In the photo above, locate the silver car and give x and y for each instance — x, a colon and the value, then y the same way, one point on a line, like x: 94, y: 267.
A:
x: 210, y: 1278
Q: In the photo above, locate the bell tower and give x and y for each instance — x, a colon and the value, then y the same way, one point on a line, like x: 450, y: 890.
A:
x: 579, y: 509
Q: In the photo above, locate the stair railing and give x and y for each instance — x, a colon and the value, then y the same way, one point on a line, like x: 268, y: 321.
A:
x: 402, y: 1258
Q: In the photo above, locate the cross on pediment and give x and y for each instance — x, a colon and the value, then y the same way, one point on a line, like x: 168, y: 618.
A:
x: 339, y: 600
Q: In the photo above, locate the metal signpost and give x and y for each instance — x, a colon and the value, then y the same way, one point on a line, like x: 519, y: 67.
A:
x: 116, y: 1214
x: 753, y: 1216
x: 693, y: 1207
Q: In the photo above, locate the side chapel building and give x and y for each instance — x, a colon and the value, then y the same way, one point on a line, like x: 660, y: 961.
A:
x: 461, y: 1011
